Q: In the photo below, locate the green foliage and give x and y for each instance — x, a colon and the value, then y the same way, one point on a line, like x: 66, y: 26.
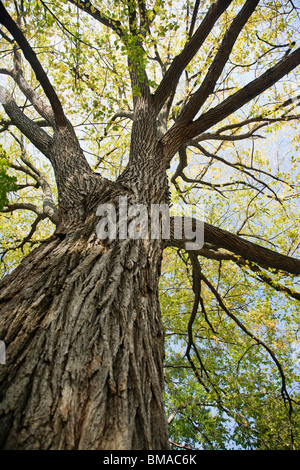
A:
x: 7, y: 182
x: 235, y: 400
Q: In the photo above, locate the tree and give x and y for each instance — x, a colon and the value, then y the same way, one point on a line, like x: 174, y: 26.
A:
x: 81, y: 314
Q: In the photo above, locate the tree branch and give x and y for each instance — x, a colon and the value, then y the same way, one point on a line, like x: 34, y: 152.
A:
x: 263, y: 277
x: 179, y: 63
x: 22, y: 206
x: 49, y: 208
x: 194, y: 18
x: 232, y: 137
x: 17, y: 74
x: 250, y: 91
x: 27, y: 239
x: 264, y: 257
x: 284, y: 392
x: 181, y: 132
x: 241, y: 167
x: 29, y: 128
x: 31, y: 56
x: 219, y: 62
x: 213, y: 253
x: 144, y: 19
x: 250, y: 251
x: 87, y: 7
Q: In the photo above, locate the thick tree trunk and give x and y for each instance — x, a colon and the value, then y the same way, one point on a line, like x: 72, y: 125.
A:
x: 80, y: 318
x: 84, y: 348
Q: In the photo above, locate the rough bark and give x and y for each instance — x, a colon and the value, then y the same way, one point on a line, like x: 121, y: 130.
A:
x: 85, y: 344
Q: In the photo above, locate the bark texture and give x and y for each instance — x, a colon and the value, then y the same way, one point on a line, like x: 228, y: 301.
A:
x: 85, y: 344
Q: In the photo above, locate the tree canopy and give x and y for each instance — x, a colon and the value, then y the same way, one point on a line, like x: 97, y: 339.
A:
x: 221, y: 77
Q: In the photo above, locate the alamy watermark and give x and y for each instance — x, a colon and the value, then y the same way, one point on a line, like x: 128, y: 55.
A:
x: 135, y: 221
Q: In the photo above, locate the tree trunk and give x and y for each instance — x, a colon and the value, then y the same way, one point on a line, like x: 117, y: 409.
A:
x: 85, y: 345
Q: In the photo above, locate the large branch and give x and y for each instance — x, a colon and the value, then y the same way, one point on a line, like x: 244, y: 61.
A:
x: 207, y: 87
x: 247, y: 250
x: 22, y: 206
x: 31, y: 56
x: 29, y: 128
x: 179, y: 63
x: 44, y: 110
x: 47, y: 211
x: 250, y: 91
x: 180, y: 132
x: 17, y: 74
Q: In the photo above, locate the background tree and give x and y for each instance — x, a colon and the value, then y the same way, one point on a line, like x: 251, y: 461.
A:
x: 161, y: 102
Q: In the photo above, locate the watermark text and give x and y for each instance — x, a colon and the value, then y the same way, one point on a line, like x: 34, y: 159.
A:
x: 135, y: 221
